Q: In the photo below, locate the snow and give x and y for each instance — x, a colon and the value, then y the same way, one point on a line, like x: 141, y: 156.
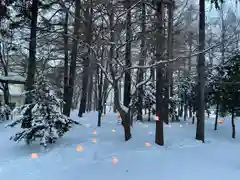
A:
x: 15, y: 90
x: 88, y: 152
x: 13, y: 77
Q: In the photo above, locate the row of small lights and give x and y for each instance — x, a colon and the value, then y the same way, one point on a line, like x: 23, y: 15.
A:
x: 80, y: 148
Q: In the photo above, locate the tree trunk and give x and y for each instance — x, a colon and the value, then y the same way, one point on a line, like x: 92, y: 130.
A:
x: 125, y: 116
x: 190, y: 111
x: 142, y: 61
x: 185, y: 112
x: 6, y: 93
x: 181, y: 109
x: 159, y: 139
x: 72, y: 70
x: 126, y: 125
x: 66, y: 111
x: 193, y: 119
x: 100, y: 98
x: 86, y: 61
x: 201, y: 73
x: 223, y: 31
x: 105, y: 94
x: 233, y: 124
x: 216, y: 118
x: 169, y: 78
x: 149, y: 114
x: 127, y: 80
x: 89, y: 93
x: 31, y: 61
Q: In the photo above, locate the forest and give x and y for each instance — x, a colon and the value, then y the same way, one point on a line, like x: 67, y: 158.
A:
x: 162, y: 58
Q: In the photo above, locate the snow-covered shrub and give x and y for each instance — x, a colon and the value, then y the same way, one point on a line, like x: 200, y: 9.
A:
x: 149, y: 96
x: 5, y: 111
x: 47, y: 123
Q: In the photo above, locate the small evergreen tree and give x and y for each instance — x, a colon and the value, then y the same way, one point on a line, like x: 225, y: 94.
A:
x: 226, y: 90
x: 231, y: 84
x: 47, y: 121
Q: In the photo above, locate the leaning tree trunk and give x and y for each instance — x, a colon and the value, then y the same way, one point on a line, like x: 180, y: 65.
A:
x: 201, y: 74
x: 72, y: 70
x: 216, y: 118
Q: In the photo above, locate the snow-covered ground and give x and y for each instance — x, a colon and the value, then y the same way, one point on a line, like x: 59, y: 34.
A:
x: 109, y: 157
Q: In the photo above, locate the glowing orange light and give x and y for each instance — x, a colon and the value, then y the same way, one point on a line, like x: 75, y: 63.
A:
x: 220, y: 121
x: 34, y: 155
x: 79, y: 148
x: 156, y: 118
x: 113, y: 130
x: 94, y: 132
x: 94, y: 140
x: 114, y: 160
x: 147, y: 144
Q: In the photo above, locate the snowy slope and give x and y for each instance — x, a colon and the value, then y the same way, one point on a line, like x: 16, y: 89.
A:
x: 182, y: 158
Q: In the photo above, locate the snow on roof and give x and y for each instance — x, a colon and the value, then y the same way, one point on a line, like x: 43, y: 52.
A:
x: 13, y: 77
x: 14, y: 89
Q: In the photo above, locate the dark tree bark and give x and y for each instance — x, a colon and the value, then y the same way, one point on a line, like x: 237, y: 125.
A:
x: 190, y: 111
x: 216, y: 118
x: 127, y: 80
x: 100, y: 90
x: 201, y: 72
x: 142, y: 61
x: 233, y: 123
x: 86, y: 61
x: 5, y: 87
x: 100, y: 100
x: 185, y: 112
x: 89, y: 93
x: 159, y: 139
x: 65, y: 80
x: 32, y: 50
x: 72, y: 70
x: 125, y: 116
x: 168, y: 86
x: 31, y: 60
